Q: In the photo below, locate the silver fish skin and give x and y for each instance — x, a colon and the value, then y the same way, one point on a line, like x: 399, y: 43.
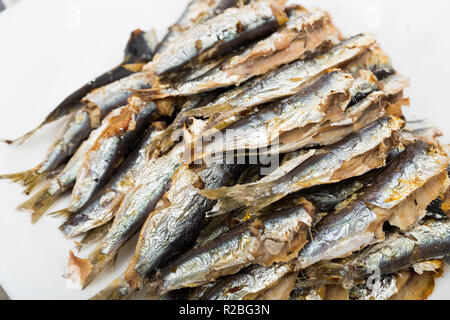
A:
x: 264, y: 240
x: 248, y: 284
x: 43, y: 199
x: 139, y: 50
x: 283, y: 82
x: 358, y: 115
x: 301, y: 35
x: 75, y: 131
x: 151, y: 184
x: 181, y: 221
x: 219, y: 35
x: 196, y: 12
x: 171, y: 227
x: 324, y: 167
x: 110, y: 148
x: 325, y: 99
x: 359, y: 224
x: 384, y: 289
x: 101, y: 208
x: 102, y: 100
x: 429, y: 240
x: 95, y: 106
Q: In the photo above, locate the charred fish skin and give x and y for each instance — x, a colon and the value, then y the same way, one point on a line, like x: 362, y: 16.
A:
x: 100, y: 209
x: 112, y: 145
x: 358, y: 225
x: 219, y: 35
x: 195, y: 13
x: 265, y: 240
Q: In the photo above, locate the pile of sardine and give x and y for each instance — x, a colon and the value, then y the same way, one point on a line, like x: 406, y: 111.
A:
x: 259, y: 154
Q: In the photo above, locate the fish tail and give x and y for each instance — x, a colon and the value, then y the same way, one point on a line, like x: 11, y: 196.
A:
x: 122, y: 288
x: 329, y: 271
x: 23, y: 138
x: 64, y: 213
x: 39, y: 203
x: 29, y: 178
x: 247, y: 195
x: 119, y: 289
x: 93, y: 236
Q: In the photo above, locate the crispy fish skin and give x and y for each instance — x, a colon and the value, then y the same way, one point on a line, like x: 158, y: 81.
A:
x: 325, y: 99
x: 282, y: 82
x: 248, y: 284
x: 358, y: 225
x: 110, y: 148
x: 219, y: 35
x: 42, y: 200
x: 429, y: 240
x: 355, y: 155
x: 139, y: 202
x: 171, y: 227
x: 264, y: 240
x: 388, y: 286
x: 387, y: 102
x: 300, y: 35
x: 186, y: 222
x: 101, y: 208
x: 102, y: 100
x: 196, y: 12
x: 139, y: 50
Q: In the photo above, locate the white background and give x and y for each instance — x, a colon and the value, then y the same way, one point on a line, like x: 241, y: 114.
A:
x: 48, y: 48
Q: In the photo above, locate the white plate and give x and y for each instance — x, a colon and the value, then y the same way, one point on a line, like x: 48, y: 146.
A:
x: 49, y: 48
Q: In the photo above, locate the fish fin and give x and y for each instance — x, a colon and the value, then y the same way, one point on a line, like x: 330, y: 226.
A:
x: 222, y: 207
x: 39, y: 203
x: 23, y: 138
x: 28, y: 179
x: 122, y: 288
x: 64, y: 213
x: 93, y: 236
x: 119, y: 289
x: 254, y: 195
x: 327, y: 271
